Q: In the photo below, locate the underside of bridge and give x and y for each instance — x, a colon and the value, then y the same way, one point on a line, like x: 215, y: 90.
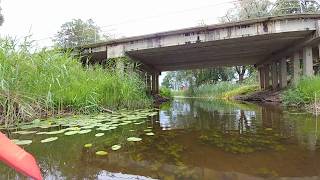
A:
x: 249, y: 50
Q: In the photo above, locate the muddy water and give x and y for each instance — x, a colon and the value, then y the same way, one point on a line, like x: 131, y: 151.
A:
x: 194, y: 139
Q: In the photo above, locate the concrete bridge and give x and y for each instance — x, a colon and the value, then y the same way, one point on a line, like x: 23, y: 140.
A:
x: 282, y: 48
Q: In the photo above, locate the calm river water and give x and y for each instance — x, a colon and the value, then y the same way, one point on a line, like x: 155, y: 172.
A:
x: 193, y: 139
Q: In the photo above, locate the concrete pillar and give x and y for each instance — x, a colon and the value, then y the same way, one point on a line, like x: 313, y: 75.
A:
x: 148, y: 82
x: 153, y: 83
x: 157, y: 84
x: 274, y: 75
x: 283, y: 73
x: 307, y: 61
x: 296, y: 67
x: 267, y: 76
x: 262, y: 77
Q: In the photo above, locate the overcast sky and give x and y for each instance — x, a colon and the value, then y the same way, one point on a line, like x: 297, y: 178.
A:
x: 43, y: 18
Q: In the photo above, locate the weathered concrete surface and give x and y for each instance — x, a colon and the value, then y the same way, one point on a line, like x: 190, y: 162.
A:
x: 240, y: 43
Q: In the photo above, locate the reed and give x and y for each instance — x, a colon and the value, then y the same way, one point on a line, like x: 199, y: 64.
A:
x: 51, y: 82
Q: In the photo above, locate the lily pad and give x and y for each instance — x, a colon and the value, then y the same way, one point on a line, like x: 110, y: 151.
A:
x: 54, y: 132
x: 116, y: 147
x: 69, y: 133
x: 133, y: 139
x: 150, y: 134
x: 49, y: 139
x: 22, y: 142
x: 101, y: 153
x: 147, y: 130
x: 88, y: 145
x: 24, y: 132
x: 99, y: 134
x: 84, y: 131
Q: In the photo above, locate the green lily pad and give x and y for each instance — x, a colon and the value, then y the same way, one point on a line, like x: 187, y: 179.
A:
x: 150, y: 134
x: 24, y: 132
x: 99, y: 134
x: 49, y: 139
x: 147, y: 130
x: 85, y: 131
x: 69, y: 133
x: 22, y: 142
x: 101, y: 153
x: 116, y: 147
x: 88, y: 145
x: 53, y: 132
x: 133, y: 139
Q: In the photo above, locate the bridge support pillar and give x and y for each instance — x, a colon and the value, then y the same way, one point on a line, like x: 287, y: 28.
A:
x: 307, y: 61
x: 283, y: 73
x: 262, y: 77
x: 274, y: 73
x: 296, y: 67
x: 153, y: 83
x: 148, y: 82
x: 267, y: 76
x: 157, y: 90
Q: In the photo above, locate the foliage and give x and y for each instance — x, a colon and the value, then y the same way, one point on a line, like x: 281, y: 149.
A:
x: 303, y: 92
x: 48, y: 82
x: 77, y: 32
x: 247, y: 9
x: 166, y: 92
x: 283, y: 7
x: 1, y: 18
x: 242, y: 90
x: 214, y: 90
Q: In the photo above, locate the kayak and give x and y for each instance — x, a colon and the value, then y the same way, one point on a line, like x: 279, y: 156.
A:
x: 18, y: 159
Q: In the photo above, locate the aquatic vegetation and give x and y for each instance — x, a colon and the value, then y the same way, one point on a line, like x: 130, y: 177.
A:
x: 88, y: 145
x: 244, y: 143
x: 99, y: 135
x: 48, y: 82
x: 101, y: 153
x: 70, y: 133
x: 84, y: 131
x: 22, y: 142
x: 133, y: 139
x: 24, y: 132
x: 150, y: 134
x: 49, y: 140
x: 116, y: 147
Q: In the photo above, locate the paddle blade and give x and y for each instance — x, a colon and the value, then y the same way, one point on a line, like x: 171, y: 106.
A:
x: 18, y: 159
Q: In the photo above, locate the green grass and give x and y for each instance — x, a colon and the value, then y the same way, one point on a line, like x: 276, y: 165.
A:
x: 303, y: 92
x: 166, y: 92
x: 241, y: 90
x: 49, y: 82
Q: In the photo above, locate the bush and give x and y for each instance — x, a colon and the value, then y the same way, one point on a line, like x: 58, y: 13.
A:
x: 166, y: 92
x: 52, y: 81
x: 303, y: 92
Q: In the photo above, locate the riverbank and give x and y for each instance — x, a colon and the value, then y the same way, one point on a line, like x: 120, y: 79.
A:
x: 50, y: 82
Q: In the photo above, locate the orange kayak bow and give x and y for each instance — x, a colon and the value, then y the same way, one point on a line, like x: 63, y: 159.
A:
x: 18, y: 159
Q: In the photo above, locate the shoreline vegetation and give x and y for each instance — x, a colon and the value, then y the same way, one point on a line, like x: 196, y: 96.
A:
x: 50, y: 82
x: 304, y: 94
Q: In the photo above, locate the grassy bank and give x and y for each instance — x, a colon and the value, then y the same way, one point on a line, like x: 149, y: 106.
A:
x: 50, y: 82
x: 303, y: 93
x: 220, y: 90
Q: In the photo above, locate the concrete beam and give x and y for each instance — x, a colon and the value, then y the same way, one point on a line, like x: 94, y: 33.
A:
x: 283, y: 73
x: 307, y: 61
x: 309, y: 41
x: 296, y: 67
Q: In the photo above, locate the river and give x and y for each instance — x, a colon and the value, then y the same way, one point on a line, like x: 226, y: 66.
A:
x: 190, y: 139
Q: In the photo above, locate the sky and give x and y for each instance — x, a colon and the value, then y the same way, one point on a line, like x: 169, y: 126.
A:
x: 118, y: 18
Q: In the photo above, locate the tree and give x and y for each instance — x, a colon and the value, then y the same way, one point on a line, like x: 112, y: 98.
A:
x: 284, y: 7
x: 77, y: 32
x: 247, y: 9
x: 1, y: 17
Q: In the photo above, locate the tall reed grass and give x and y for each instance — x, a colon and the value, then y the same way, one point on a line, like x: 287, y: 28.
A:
x: 49, y: 82
x: 303, y: 92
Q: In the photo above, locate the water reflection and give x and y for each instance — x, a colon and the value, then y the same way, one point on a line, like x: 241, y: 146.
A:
x: 194, y: 139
